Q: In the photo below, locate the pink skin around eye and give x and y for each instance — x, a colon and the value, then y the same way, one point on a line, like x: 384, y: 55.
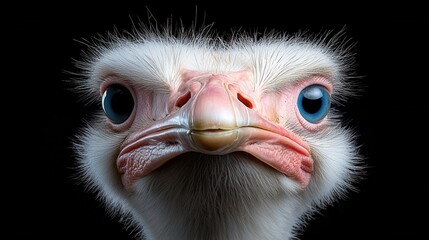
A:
x: 278, y: 104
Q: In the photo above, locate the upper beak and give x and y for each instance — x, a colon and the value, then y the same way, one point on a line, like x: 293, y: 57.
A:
x: 214, y: 116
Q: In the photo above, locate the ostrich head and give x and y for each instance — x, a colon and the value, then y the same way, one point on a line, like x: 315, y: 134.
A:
x: 200, y: 136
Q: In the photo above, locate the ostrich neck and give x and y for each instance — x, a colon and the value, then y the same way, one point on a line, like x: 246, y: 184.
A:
x: 198, y: 196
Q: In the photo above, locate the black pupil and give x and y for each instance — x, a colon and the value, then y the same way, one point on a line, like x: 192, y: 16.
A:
x: 122, y: 102
x: 311, y: 105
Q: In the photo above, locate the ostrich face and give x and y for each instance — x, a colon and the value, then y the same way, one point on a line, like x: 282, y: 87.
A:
x: 216, y: 140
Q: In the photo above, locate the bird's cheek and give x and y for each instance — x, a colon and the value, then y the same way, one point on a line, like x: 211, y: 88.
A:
x: 279, y: 108
x: 150, y: 107
x: 268, y: 107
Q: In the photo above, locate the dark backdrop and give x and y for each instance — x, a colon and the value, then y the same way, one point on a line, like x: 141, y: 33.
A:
x: 39, y: 116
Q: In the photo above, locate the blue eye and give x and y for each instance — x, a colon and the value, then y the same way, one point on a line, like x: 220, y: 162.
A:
x: 117, y: 103
x: 313, y: 103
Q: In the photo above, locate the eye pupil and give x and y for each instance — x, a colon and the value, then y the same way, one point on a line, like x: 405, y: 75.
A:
x: 118, y: 103
x: 314, y: 103
x: 311, y: 106
x: 121, y: 102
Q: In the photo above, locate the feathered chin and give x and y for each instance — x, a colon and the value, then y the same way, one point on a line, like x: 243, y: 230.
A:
x: 198, y: 196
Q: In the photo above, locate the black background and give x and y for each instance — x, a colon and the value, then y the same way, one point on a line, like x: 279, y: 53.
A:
x: 39, y: 115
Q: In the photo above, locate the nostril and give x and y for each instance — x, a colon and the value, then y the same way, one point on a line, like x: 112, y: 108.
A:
x: 248, y: 103
x: 182, y: 100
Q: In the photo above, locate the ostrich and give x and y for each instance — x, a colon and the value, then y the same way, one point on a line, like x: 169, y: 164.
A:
x: 201, y: 136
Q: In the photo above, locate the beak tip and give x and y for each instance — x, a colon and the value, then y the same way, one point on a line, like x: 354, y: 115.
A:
x: 215, y: 142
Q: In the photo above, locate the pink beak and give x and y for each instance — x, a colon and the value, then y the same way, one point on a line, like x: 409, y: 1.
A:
x: 213, y: 116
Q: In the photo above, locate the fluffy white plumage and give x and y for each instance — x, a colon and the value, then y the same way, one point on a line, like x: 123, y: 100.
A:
x: 229, y: 196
